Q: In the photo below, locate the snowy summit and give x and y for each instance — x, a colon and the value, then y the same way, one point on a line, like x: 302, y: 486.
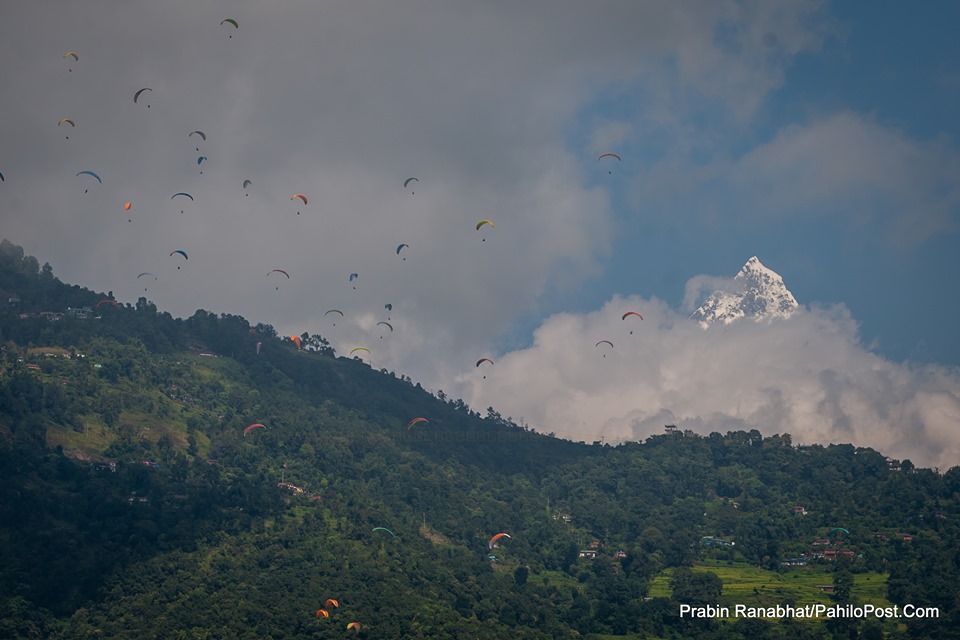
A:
x: 756, y: 292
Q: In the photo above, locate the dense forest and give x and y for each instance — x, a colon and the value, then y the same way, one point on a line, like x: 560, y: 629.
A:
x: 134, y: 501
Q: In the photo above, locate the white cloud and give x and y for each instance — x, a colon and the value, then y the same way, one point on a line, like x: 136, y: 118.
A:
x: 807, y: 375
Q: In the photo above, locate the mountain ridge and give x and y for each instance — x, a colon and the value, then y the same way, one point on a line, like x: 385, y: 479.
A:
x: 756, y: 292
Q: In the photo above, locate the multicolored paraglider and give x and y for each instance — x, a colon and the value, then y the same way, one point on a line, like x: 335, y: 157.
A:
x: 69, y: 121
x: 71, y: 54
x: 255, y: 425
x: 301, y: 196
x: 296, y: 340
x: 323, y: 613
x: 417, y: 421
x: 493, y: 540
x: 354, y: 625
x: 331, y: 603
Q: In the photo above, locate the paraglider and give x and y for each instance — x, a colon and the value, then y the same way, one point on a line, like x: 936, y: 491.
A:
x: 323, y: 613
x: 483, y: 222
x: 354, y: 276
x: 126, y: 207
x: 628, y: 314
x: 355, y: 349
x: 278, y: 271
x: 258, y: 347
x: 2, y: 179
x: 301, y: 196
x: 68, y: 121
x: 230, y: 21
x: 609, y: 155
x: 181, y: 252
x: 331, y: 603
x: 147, y: 273
x: 246, y: 183
x: 253, y: 426
x: 481, y: 361
x: 296, y: 341
x: 493, y: 540
x: 408, y: 181
x: 89, y: 173
x: 71, y: 54
x: 136, y: 96
x: 354, y: 625
x: 387, y: 325
x: 199, y: 133
x: 388, y: 307
x: 200, y: 161
x: 832, y: 531
x: 182, y: 193
x: 334, y: 311
x: 109, y: 301
x: 386, y: 530
x: 402, y: 246
x: 604, y: 342
x: 417, y: 421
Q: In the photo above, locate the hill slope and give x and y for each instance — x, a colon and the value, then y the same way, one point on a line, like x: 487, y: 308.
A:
x: 125, y: 467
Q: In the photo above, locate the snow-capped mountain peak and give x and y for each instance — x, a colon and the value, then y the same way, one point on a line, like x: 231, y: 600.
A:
x: 756, y: 292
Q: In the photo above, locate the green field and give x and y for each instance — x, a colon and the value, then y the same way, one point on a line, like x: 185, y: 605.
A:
x: 746, y: 584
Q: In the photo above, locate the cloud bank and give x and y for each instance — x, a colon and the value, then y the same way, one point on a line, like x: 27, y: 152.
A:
x: 807, y: 375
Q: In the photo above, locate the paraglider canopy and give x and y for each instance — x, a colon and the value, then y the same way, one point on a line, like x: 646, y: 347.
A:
x: 386, y: 530
x: 493, y: 540
x: 296, y: 341
x: 417, y: 421
x: 136, y: 96
x: 253, y: 426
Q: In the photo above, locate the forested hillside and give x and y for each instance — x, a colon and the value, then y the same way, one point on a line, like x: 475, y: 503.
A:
x: 136, y: 502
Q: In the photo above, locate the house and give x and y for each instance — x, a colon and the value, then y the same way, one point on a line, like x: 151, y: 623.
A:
x: 620, y: 555
x: 821, y: 542
x: 799, y: 510
x: 594, y: 544
x: 589, y: 554
x: 795, y: 562
x: 82, y: 313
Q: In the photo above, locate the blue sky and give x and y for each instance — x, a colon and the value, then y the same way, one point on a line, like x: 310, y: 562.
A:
x: 817, y: 136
